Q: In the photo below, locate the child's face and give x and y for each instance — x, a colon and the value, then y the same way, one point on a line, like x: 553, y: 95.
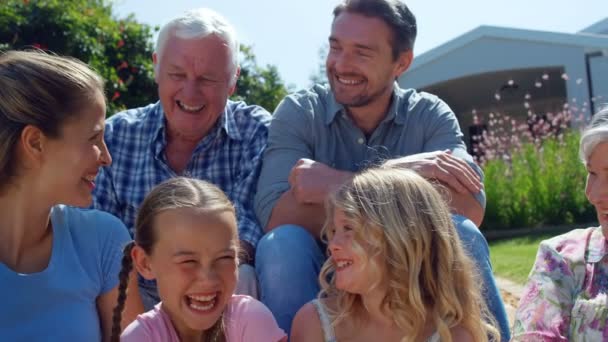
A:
x: 194, y: 262
x: 355, y: 271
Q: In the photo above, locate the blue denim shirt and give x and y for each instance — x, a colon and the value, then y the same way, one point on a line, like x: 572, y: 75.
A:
x: 311, y: 124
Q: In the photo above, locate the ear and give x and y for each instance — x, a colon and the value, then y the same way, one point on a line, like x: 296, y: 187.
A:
x: 155, y: 65
x: 32, y: 143
x: 236, y: 78
x: 141, y: 261
x: 403, y: 62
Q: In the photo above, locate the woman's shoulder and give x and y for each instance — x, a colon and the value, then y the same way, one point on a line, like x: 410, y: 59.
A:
x: 89, y: 222
x: 571, y: 246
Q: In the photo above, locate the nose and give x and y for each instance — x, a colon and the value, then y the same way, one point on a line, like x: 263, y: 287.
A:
x: 340, y: 61
x: 105, y: 158
x: 206, y: 275
x: 335, y: 243
x: 190, y: 89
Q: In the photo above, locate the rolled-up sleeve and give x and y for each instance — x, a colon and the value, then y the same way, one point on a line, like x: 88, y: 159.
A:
x: 444, y: 133
x: 289, y: 139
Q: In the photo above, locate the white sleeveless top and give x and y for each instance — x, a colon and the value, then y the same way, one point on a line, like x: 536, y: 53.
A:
x: 328, y: 330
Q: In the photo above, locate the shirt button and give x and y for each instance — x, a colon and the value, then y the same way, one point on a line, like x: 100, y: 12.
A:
x: 360, y: 141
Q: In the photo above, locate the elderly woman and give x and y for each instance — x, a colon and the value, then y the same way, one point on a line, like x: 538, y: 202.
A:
x: 566, y: 295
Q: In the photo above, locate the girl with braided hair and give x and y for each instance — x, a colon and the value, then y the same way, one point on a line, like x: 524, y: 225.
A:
x: 186, y: 238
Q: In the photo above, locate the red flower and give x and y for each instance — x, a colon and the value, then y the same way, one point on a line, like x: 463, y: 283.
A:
x: 122, y: 65
x: 120, y: 44
x: 115, y: 96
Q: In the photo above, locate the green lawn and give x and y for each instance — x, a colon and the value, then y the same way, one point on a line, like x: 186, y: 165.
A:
x: 513, y: 259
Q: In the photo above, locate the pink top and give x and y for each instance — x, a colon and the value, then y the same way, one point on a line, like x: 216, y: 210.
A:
x: 246, y: 319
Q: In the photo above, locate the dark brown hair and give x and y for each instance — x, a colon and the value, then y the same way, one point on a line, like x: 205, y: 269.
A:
x: 394, y: 13
x: 41, y: 90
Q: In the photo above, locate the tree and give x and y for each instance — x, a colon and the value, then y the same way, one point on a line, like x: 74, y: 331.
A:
x: 119, y: 50
x: 259, y: 85
x: 320, y: 75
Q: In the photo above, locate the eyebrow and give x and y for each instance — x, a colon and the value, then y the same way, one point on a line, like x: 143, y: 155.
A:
x: 372, y: 47
x: 177, y: 67
x: 191, y: 253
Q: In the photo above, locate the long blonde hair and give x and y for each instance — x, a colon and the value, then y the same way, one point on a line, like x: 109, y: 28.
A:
x: 401, y: 217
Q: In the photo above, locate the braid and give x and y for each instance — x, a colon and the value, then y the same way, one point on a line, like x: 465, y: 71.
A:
x: 123, y: 276
x: 216, y: 332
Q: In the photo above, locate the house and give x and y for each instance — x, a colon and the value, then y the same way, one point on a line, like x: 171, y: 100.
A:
x: 508, y: 70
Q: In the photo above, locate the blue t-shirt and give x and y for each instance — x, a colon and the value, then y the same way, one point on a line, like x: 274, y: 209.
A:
x: 59, y: 303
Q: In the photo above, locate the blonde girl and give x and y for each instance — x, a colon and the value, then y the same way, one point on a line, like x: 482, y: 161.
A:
x: 186, y: 239
x: 397, y: 270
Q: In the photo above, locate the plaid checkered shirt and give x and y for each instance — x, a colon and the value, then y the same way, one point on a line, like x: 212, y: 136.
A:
x: 229, y: 156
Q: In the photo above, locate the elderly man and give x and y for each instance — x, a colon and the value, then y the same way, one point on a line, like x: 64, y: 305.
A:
x: 194, y: 131
x: 319, y: 136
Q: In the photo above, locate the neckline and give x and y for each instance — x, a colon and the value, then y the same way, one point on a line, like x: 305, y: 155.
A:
x: 55, y: 221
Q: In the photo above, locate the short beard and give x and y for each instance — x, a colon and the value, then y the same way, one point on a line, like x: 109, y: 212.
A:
x: 361, y: 100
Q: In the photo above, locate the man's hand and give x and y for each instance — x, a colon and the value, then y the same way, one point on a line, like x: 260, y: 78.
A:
x: 311, y: 181
x: 442, y: 166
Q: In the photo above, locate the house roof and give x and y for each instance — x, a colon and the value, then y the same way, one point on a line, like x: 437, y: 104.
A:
x: 601, y: 27
x: 582, y: 39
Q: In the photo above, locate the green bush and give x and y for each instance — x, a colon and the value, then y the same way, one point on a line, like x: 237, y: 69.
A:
x: 119, y: 49
x: 537, y: 185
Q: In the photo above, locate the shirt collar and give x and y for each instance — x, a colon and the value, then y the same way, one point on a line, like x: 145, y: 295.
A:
x: 393, y: 112
x: 597, y: 246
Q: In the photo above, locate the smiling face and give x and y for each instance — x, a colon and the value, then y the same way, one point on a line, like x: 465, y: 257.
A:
x: 194, y: 262
x: 355, y: 272
x: 597, y: 182
x: 360, y: 64
x: 72, y: 160
x: 195, y: 77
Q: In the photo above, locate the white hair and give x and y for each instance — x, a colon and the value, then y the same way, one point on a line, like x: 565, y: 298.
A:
x: 196, y: 24
x: 595, y: 134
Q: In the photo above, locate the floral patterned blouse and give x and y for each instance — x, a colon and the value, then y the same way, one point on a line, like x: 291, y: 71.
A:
x: 566, y: 295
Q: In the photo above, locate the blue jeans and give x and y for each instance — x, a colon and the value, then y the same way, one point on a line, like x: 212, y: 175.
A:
x: 288, y: 261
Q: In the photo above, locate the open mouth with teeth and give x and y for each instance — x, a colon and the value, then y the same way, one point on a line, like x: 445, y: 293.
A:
x: 189, y: 108
x: 90, y: 180
x: 603, y: 215
x: 202, y: 303
x: 349, y: 81
x: 342, y: 264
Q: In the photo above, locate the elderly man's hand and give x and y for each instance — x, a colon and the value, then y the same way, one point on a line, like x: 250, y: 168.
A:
x: 311, y: 181
x: 442, y: 166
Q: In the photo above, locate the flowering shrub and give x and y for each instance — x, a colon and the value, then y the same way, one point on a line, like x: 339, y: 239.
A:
x: 533, y: 174
x: 119, y: 49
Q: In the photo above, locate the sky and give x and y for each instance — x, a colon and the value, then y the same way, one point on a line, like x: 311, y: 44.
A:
x: 289, y: 33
